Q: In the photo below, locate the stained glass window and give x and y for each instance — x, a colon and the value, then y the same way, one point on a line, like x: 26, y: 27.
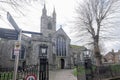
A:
x: 61, y: 46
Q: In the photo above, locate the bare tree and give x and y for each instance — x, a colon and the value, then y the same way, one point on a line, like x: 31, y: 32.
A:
x: 16, y: 5
x: 17, y: 8
x: 94, y: 18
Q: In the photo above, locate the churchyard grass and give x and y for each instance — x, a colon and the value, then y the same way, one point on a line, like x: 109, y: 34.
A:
x: 78, y: 70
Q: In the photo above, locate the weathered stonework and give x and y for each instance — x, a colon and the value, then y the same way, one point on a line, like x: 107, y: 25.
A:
x: 7, y: 47
x: 50, y: 38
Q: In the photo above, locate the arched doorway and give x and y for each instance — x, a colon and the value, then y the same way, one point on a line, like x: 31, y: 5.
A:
x: 62, y: 63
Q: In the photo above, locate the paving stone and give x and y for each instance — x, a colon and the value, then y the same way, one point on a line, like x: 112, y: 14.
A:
x: 63, y: 74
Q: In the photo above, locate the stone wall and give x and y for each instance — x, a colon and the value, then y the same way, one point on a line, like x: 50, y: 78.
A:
x: 6, y: 51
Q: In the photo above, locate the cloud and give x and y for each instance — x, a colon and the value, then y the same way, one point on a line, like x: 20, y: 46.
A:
x: 65, y: 14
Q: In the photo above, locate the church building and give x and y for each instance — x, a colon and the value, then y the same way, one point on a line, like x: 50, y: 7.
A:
x: 57, y: 42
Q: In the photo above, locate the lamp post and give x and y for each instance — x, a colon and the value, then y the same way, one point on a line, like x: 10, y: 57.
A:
x: 87, y: 55
x: 84, y: 63
x: 43, y: 61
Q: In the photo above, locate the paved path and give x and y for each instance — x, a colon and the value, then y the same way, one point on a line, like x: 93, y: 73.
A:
x: 64, y: 74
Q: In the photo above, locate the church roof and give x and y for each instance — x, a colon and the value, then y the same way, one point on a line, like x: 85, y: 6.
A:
x: 76, y: 46
x: 62, y: 32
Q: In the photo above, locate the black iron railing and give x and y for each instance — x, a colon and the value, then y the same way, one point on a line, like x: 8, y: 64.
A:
x: 7, y: 73
x: 98, y: 72
x: 108, y: 71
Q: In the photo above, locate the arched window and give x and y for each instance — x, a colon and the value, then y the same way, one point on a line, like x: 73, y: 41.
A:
x: 21, y: 54
x: 61, y: 46
x: 49, y: 25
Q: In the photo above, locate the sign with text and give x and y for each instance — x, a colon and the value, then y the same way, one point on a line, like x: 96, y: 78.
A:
x: 17, y: 48
x: 8, y: 34
x: 17, y: 45
x: 16, y: 52
x: 12, y: 22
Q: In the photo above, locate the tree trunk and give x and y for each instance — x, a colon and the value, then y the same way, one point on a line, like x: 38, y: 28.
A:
x: 97, y: 53
x: 98, y: 56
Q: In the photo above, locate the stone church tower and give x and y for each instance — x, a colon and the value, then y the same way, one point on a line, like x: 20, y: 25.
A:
x: 48, y: 23
x: 58, y: 49
x: 57, y: 41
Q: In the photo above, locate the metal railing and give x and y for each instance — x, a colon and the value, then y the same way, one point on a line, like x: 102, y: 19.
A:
x: 7, y: 73
x: 98, y: 72
x: 103, y: 72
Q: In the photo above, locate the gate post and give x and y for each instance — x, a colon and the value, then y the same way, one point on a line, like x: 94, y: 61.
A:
x: 43, y: 69
x: 43, y: 61
x: 88, y: 69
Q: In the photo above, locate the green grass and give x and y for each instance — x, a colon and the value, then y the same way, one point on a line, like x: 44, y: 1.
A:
x: 115, y: 68
x: 75, y: 72
x: 79, y: 70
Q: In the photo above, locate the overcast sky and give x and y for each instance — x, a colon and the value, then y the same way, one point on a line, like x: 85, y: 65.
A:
x: 31, y: 20
x: 65, y: 10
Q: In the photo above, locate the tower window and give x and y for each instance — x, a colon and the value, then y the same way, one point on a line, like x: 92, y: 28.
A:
x: 49, y: 25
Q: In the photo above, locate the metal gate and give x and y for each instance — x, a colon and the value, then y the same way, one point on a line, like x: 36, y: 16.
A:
x: 44, y: 69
